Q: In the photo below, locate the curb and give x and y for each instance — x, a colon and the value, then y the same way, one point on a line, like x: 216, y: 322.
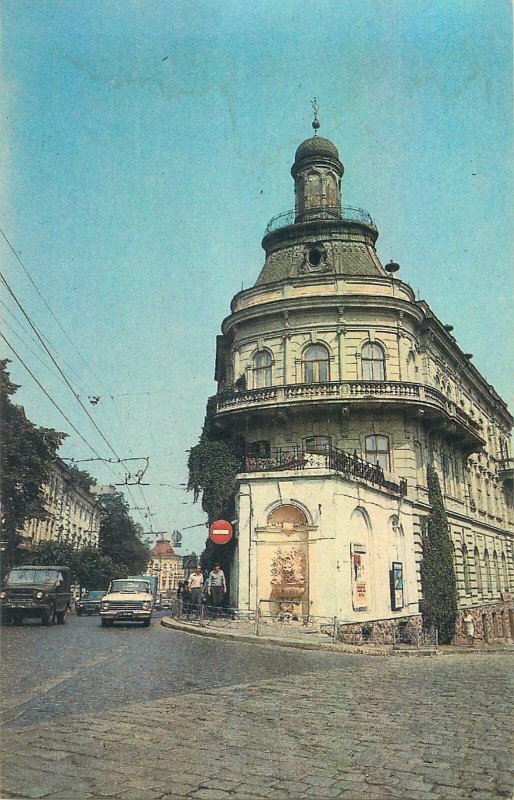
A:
x: 269, y: 641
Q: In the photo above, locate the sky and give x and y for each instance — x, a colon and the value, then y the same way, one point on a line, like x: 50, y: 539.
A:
x: 146, y: 146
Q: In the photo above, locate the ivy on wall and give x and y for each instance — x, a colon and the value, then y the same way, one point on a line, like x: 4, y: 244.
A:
x: 213, y: 465
x: 438, y: 580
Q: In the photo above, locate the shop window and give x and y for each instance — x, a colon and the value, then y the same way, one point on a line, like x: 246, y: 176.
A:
x: 262, y: 369
x: 315, y: 364
x: 377, y: 450
x: 317, y: 444
x: 373, y: 362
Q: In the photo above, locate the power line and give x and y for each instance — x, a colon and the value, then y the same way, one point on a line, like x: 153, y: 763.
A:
x: 68, y: 384
x: 20, y: 262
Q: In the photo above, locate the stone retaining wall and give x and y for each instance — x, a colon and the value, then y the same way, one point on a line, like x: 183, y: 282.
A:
x: 494, y: 621
x: 380, y: 631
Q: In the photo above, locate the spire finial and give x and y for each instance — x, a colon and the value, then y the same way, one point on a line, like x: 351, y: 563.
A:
x: 315, y: 109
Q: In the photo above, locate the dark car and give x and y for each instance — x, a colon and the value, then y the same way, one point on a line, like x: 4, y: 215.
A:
x: 35, y: 591
x: 90, y: 603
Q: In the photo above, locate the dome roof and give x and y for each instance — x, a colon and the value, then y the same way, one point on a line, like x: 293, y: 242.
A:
x: 316, y: 146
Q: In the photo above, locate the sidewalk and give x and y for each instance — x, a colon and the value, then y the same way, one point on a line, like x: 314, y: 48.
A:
x: 245, y: 633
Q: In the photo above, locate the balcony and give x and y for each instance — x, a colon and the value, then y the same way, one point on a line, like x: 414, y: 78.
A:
x: 424, y: 401
x: 344, y: 463
x: 506, y: 471
x: 346, y: 214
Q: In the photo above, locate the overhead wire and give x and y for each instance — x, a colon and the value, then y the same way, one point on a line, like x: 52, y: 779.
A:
x: 68, y: 384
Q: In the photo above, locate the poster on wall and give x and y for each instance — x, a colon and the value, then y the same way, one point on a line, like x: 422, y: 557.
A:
x: 359, y: 562
x: 397, y: 586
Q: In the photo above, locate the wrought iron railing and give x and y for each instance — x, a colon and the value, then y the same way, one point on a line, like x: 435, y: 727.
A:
x: 295, y: 458
x: 346, y: 213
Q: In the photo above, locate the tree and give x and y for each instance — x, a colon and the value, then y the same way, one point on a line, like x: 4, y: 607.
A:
x: 438, y: 580
x: 26, y: 457
x: 88, y: 567
x: 120, y: 537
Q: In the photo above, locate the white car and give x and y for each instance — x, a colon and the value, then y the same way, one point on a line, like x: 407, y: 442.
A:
x: 127, y: 600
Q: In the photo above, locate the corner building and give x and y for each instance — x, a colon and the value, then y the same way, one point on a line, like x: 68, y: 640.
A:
x: 344, y: 388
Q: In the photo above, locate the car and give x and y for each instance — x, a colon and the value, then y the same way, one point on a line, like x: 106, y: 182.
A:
x: 36, y: 591
x: 89, y: 604
x: 127, y: 600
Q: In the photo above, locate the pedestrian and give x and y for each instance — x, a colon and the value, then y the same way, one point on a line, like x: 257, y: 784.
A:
x: 217, y: 586
x: 469, y: 627
x: 195, y: 586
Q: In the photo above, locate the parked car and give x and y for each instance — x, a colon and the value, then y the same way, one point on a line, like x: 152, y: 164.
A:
x: 36, y: 591
x: 90, y: 603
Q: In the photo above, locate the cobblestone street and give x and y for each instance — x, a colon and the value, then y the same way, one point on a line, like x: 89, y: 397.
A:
x: 145, y: 714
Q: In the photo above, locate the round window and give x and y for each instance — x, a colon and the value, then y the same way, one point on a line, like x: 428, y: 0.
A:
x: 314, y: 257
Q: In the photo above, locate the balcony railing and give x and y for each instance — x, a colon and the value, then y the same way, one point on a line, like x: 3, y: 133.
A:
x: 346, y: 464
x: 347, y: 214
x: 429, y: 400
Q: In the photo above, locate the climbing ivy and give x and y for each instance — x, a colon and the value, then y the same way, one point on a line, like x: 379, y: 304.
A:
x: 438, y: 580
x: 213, y: 464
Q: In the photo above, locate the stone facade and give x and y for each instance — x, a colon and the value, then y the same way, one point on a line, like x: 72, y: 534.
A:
x: 330, y: 356
x: 73, y: 513
x: 167, y: 566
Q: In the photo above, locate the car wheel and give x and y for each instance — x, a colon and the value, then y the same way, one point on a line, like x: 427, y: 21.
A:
x: 48, y: 617
x: 146, y: 623
x: 107, y: 623
x: 17, y: 618
x: 79, y: 613
x: 61, y: 617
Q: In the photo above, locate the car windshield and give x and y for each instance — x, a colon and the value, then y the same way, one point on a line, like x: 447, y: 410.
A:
x: 130, y: 586
x: 34, y: 576
x: 93, y: 596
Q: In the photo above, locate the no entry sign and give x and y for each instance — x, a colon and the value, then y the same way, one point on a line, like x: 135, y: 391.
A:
x: 220, y: 531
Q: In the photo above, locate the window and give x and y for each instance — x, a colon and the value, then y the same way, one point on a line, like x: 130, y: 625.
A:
x: 315, y: 364
x: 488, y: 574
x: 377, y: 450
x: 465, y: 567
x: 262, y: 369
x: 505, y: 573
x: 373, y: 362
x: 497, y: 571
x: 259, y: 449
x: 317, y: 444
x: 478, y: 570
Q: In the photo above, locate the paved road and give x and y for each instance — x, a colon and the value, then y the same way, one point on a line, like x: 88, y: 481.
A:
x: 141, y: 714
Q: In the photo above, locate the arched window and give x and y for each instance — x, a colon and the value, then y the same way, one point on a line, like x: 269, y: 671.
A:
x: 262, y: 369
x: 505, y: 573
x: 497, y: 571
x: 373, y: 368
x: 377, y: 450
x: 315, y: 364
x: 478, y: 570
x: 488, y: 574
x: 465, y: 568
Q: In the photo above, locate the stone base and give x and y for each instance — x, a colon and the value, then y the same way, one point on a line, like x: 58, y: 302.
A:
x: 493, y: 622
x: 381, y: 631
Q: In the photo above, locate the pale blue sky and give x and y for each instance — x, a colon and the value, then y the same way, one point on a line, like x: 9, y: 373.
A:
x: 147, y: 145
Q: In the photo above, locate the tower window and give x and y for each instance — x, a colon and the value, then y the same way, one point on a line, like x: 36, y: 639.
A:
x: 315, y: 364
x: 373, y: 368
x: 314, y: 257
x: 262, y: 369
x: 377, y: 450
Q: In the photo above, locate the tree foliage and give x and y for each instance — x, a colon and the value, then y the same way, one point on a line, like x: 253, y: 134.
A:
x: 120, y: 537
x: 213, y: 465
x: 27, y: 454
x: 88, y: 567
x: 438, y: 580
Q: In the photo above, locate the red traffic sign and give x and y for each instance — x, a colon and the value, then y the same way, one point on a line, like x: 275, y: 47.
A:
x: 220, y: 531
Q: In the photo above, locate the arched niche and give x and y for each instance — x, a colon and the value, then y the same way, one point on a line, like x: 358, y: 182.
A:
x: 287, y: 516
